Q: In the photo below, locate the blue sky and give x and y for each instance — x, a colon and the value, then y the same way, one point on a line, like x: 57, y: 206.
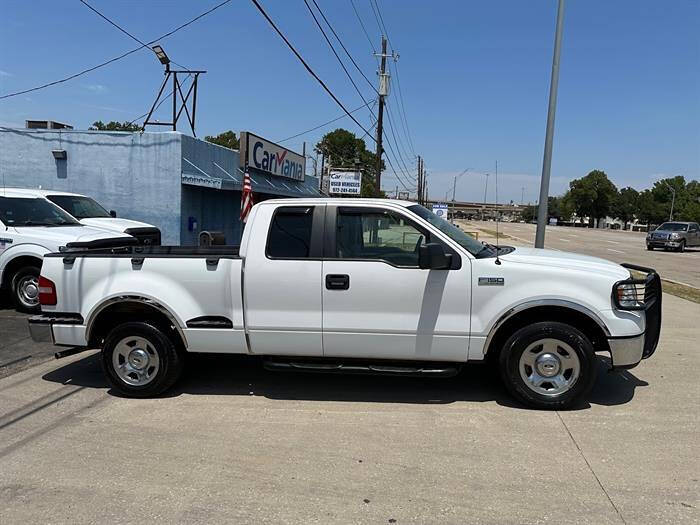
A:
x: 474, y: 78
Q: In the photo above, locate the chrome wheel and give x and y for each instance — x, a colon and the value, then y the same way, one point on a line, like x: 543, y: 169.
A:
x: 27, y: 290
x: 549, y: 367
x: 135, y: 361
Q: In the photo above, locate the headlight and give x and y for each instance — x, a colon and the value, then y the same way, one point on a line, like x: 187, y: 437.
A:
x: 627, y: 296
x: 675, y: 235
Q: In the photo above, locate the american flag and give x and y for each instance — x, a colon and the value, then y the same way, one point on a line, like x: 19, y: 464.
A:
x: 246, y: 196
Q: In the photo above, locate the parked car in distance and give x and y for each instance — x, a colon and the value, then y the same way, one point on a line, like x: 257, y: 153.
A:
x: 369, y: 286
x: 90, y: 213
x: 674, y: 235
x: 31, y: 227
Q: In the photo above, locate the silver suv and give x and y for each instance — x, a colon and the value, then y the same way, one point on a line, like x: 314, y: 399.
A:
x: 674, y: 235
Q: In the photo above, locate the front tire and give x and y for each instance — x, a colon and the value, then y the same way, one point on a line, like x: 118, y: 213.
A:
x: 140, y: 360
x: 25, y: 289
x: 681, y: 247
x: 548, y: 365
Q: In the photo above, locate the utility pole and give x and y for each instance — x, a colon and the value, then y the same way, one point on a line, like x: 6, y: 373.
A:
x: 547, y: 161
x: 420, y: 180
x: 383, y: 91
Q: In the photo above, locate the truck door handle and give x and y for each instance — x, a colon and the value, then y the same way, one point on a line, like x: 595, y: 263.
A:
x: 337, y: 281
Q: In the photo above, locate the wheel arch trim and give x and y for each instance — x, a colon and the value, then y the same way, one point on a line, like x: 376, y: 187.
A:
x: 132, y: 299
x: 528, y: 305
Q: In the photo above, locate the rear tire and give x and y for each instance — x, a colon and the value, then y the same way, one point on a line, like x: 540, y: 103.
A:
x: 140, y: 360
x: 548, y: 365
x: 25, y: 289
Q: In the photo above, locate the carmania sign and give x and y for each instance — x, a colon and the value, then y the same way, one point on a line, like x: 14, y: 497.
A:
x: 271, y: 158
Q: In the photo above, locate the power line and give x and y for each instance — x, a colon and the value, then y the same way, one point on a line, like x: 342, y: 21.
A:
x: 398, y: 142
x: 382, y: 27
x: 88, y: 70
x: 344, y: 48
x: 306, y: 65
x: 108, y: 20
x: 402, y: 111
x: 330, y: 44
x: 376, y: 18
x: 362, y: 24
x: 381, y: 19
x: 326, y: 123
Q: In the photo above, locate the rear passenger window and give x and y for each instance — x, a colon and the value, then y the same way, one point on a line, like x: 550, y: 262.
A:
x: 290, y: 233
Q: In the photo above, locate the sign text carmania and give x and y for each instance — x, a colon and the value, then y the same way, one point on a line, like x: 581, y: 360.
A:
x: 267, y: 156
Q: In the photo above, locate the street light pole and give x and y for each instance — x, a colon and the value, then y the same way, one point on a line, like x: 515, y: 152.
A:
x: 454, y: 192
x: 673, y: 199
x: 547, y: 161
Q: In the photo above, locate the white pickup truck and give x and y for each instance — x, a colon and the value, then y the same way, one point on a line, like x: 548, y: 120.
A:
x: 358, y: 286
x: 31, y: 227
x: 91, y: 213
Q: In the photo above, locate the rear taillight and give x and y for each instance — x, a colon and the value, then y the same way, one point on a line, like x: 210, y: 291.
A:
x: 47, y: 292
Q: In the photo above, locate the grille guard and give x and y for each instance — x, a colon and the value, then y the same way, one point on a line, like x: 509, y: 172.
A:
x: 650, y: 304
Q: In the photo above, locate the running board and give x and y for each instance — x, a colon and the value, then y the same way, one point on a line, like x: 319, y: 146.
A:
x: 70, y: 351
x: 371, y: 368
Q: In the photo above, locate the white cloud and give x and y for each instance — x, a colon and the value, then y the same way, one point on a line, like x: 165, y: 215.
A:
x: 5, y: 74
x: 96, y: 88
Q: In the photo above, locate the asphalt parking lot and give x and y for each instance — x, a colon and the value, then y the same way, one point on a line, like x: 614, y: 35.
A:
x: 234, y: 443
x: 615, y: 245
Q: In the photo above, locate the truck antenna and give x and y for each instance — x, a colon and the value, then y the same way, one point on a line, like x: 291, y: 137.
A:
x: 498, y: 217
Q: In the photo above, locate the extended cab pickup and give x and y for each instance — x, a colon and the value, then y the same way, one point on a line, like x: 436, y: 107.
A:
x: 361, y: 285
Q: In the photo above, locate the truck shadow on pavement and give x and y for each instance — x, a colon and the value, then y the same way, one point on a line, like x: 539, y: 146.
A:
x: 244, y: 376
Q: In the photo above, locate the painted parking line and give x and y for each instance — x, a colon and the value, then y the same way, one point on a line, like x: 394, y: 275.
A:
x: 613, y: 242
x: 616, y: 251
x: 565, y: 240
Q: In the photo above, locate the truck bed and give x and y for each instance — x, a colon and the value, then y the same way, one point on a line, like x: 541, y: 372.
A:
x: 199, y: 286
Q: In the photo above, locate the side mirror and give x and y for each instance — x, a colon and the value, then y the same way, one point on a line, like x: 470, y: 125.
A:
x: 432, y: 256
x: 113, y: 214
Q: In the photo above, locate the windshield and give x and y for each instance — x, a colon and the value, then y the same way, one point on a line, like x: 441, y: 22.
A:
x: 79, y: 207
x: 673, y: 227
x: 33, y: 212
x: 464, y: 240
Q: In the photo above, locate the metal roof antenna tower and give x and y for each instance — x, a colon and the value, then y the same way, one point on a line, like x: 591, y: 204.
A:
x: 177, y: 91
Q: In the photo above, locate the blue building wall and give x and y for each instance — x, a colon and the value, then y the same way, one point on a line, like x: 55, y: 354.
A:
x: 136, y: 174
x: 140, y: 176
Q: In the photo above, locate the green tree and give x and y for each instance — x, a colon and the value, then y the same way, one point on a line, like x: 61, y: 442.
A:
x: 689, y: 209
x: 227, y: 139
x: 649, y: 210
x: 626, y: 205
x: 342, y: 149
x: 529, y: 213
x: 115, y: 126
x: 592, y: 196
x: 559, y: 207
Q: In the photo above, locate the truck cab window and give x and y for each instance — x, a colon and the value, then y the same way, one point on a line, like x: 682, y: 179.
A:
x: 290, y: 233
x: 377, y: 234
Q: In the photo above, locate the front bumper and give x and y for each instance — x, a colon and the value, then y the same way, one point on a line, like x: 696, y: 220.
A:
x: 664, y: 244
x: 627, y: 352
